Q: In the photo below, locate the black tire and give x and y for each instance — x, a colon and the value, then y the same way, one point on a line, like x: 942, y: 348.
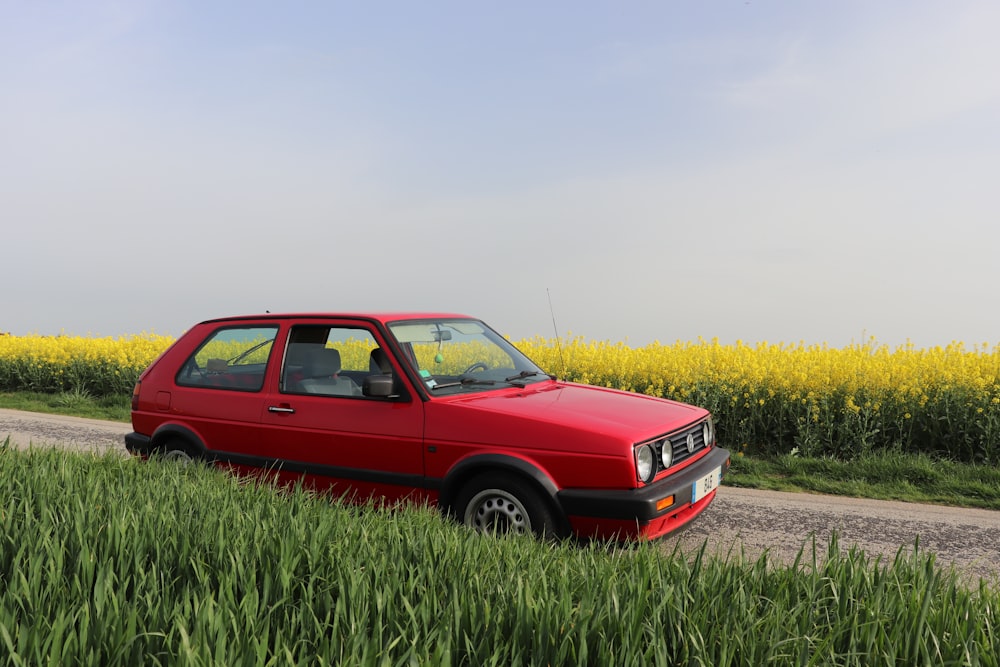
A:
x: 496, y: 503
x: 179, y: 451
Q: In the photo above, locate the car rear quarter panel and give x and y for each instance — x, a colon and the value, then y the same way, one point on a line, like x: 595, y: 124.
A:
x: 223, y: 418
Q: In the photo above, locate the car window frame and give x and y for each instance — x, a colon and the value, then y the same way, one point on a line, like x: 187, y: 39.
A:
x: 185, y: 370
x: 369, y: 327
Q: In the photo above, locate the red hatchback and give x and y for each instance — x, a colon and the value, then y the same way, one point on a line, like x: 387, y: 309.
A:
x: 431, y: 408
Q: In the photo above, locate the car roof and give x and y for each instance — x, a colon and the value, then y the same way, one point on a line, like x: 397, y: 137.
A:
x: 383, y: 317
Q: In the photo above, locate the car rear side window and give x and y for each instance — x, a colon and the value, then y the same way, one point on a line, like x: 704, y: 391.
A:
x: 230, y: 358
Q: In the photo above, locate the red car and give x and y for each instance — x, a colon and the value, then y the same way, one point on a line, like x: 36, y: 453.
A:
x: 431, y: 408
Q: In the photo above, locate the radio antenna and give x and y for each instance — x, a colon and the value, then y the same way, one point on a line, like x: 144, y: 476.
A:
x: 555, y: 328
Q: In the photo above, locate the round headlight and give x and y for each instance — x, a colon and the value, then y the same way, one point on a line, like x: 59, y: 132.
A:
x: 708, y: 433
x: 667, y: 454
x: 645, y: 463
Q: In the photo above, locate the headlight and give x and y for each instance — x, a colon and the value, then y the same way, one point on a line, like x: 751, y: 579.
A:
x: 667, y: 454
x: 708, y: 433
x: 645, y: 463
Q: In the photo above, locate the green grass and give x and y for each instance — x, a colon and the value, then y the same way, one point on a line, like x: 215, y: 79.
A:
x: 114, y: 561
x: 877, y: 475
x: 72, y: 403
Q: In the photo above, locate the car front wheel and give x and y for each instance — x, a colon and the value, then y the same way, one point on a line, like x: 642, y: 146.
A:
x: 499, y: 504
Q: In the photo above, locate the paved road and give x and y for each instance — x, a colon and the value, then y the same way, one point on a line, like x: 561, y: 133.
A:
x: 34, y: 429
x: 746, y: 519
x: 782, y: 522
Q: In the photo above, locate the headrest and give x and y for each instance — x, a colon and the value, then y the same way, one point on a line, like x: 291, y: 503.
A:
x: 322, y: 362
x: 299, y: 353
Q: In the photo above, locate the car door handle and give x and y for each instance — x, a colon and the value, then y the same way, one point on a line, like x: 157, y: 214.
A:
x: 278, y: 408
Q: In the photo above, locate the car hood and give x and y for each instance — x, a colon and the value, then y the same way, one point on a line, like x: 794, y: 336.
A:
x: 559, y: 412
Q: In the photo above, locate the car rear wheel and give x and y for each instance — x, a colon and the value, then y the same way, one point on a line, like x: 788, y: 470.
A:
x: 499, y: 504
x: 179, y: 451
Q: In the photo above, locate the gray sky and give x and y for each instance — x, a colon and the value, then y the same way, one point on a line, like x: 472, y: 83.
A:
x: 777, y: 171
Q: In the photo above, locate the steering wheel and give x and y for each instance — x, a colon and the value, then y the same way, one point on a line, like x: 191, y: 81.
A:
x: 478, y: 366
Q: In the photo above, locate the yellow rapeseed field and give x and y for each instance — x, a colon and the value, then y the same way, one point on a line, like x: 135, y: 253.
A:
x: 818, y: 399
x: 100, y: 366
x: 767, y: 398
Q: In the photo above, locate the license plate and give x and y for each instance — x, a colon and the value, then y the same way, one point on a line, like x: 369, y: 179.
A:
x: 706, y: 485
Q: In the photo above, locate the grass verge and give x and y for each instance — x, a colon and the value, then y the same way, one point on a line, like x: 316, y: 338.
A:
x: 113, y: 561
x: 72, y: 403
x: 878, y: 475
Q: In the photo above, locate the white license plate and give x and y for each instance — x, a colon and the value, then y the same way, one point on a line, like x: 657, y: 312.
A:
x: 706, y: 485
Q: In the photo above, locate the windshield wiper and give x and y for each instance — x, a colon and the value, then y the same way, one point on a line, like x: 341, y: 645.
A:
x: 522, y: 375
x: 515, y: 380
x: 462, y: 382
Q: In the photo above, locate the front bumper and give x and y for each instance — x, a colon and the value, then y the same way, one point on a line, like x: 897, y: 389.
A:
x: 633, y: 512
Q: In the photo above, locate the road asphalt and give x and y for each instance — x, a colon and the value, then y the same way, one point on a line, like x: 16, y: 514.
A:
x: 739, y: 521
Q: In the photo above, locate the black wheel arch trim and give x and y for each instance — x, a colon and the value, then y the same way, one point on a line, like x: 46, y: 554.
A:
x: 468, y: 468
x: 144, y: 445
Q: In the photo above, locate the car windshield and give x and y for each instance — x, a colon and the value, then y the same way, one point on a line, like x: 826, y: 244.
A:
x: 460, y: 356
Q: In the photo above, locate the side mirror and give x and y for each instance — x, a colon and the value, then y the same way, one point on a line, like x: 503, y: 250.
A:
x: 379, y: 386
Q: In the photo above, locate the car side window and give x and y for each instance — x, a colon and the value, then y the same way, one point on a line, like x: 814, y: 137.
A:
x: 230, y: 358
x: 328, y: 360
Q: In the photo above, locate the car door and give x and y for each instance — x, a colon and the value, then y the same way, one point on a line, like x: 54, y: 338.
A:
x: 317, y: 421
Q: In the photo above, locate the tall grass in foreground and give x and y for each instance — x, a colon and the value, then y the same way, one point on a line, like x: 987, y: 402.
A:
x: 112, y: 561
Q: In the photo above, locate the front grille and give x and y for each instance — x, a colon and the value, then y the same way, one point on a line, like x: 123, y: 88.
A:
x: 678, y: 442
